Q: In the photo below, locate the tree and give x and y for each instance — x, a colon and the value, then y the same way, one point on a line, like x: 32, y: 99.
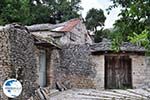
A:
x: 22, y: 11
x: 134, y: 19
x: 95, y: 18
x: 100, y: 34
x: 38, y: 11
x: 64, y: 9
x: 134, y: 16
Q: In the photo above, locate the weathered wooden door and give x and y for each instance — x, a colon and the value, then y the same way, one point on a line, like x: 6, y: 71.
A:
x: 42, y: 69
x: 117, y: 72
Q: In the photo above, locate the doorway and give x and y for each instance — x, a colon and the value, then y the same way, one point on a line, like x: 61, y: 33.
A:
x: 42, y: 68
x: 118, y: 72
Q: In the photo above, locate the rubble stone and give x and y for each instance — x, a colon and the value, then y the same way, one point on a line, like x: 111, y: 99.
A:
x: 17, y: 59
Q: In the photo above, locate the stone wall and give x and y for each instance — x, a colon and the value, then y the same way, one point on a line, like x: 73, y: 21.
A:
x: 99, y: 63
x: 80, y: 69
x: 76, y: 69
x: 17, y: 58
x: 81, y: 33
x: 147, y: 71
x: 140, y: 72
x: 5, y: 66
x: 73, y: 66
x: 54, y: 67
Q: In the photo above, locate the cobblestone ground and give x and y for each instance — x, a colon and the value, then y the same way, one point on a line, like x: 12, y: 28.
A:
x: 91, y: 94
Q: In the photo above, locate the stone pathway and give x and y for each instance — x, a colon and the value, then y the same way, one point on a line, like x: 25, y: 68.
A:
x: 91, y: 94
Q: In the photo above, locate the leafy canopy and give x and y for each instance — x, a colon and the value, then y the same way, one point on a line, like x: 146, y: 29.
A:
x: 38, y: 11
x: 140, y: 39
x: 134, y: 19
x: 95, y: 18
x: 134, y: 16
x: 101, y: 34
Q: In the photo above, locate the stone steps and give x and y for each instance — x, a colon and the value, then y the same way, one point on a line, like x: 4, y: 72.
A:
x: 141, y: 92
x: 129, y: 95
x: 91, y: 94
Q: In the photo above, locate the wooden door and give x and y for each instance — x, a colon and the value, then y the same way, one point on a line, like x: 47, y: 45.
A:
x: 117, y: 72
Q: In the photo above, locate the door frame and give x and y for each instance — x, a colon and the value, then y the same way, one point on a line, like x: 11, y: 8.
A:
x: 105, y: 69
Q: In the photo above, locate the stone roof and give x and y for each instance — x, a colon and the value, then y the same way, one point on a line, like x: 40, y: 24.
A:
x: 47, y: 40
x: 39, y: 39
x: 70, y: 25
x: 61, y: 27
x: 107, y: 46
x: 40, y: 27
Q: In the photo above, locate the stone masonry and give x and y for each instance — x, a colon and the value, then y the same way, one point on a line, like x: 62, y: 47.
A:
x: 79, y: 68
x: 140, y: 71
x: 76, y: 69
x: 17, y: 59
x: 73, y: 66
x: 5, y: 65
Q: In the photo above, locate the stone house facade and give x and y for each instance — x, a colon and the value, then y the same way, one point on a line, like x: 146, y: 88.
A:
x: 27, y: 58
x: 128, y: 68
x: 36, y: 59
x: 97, y: 66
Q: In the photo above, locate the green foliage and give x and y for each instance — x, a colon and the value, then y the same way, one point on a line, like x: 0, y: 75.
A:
x: 117, y: 39
x: 140, y: 39
x: 38, y: 11
x: 100, y: 34
x: 115, y: 45
x: 134, y: 19
x: 40, y: 15
x: 64, y: 10
x: 134, y: 16
x: 95, y: 18
x: 106, y: 33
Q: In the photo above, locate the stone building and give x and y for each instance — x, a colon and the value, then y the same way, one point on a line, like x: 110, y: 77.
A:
x: 62, y: 57
x: 98, y: 66
x: 72, y: 31
x: 129, y: 68
x: 32, y: 56
x: 26, y: 57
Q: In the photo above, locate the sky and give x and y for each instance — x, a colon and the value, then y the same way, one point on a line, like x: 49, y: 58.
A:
x: 103, y: 4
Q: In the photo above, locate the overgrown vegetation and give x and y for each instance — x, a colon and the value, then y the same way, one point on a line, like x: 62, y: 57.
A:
x: 134, y: 20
